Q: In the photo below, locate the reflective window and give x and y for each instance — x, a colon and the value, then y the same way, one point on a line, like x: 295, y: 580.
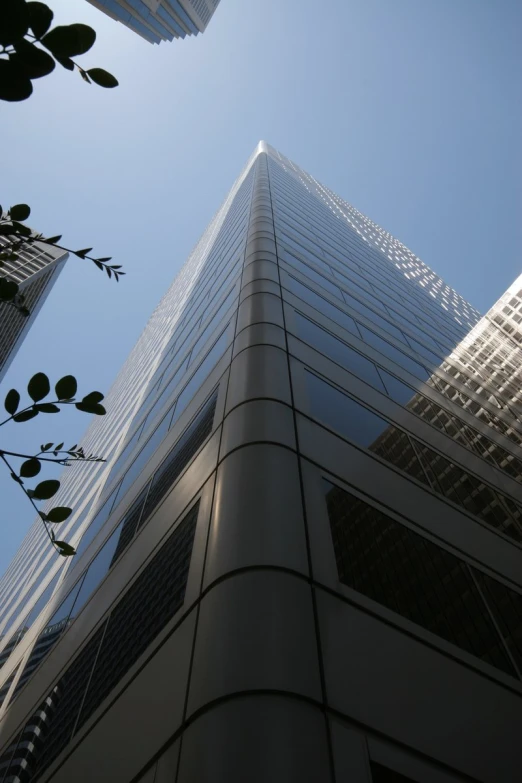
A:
x: 97, y: 523
x: 412, y: 576
x: 394, y: 354
x: 316, y: 301
x: 97, y: 570
x: 341, y: 353
x: 397, y: 390
x: 145, y: 454
x: 343, y: 414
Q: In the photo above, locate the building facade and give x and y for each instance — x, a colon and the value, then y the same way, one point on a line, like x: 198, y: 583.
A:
x: 301, y: 561
x: 35, y: 271
x: 160, y: 20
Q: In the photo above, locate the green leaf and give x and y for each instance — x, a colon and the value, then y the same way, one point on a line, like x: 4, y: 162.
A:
x: 20, y: 211
x: 40, y: 18
x: 94, y: 408
x: 53, y: 240
x: 59, y: 514
x: 66, y: 387
x: 15, y: 21
x: 8, y: 289
x: 30, y: 468
x: 25, y: 415
x: 32, y: 61
x: 69, y: 40
x: 65, y: 549
x: 39, y: 386
x: 46, y: 489
x: 47, y: 407
x: 12, y: 401
x: 103, y: 78
x: 94, y: 396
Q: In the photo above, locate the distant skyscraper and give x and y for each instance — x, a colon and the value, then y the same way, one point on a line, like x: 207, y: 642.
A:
x: 160, y: 20
x: 35, y: 271
x: 302, y: 559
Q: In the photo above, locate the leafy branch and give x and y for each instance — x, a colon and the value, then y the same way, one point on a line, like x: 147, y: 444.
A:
x: 39, y: 389
x: 24, y: 28
x: 15, y: 236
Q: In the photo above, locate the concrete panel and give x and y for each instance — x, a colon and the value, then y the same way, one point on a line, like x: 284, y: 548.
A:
x: 259, y: 334
x: 260, y: 308
x: 139, y: 723
x: 259, y: 627
x: 396, y: 685
x: 257, y: 518
x: 256, y: 739
x: 257, y: 372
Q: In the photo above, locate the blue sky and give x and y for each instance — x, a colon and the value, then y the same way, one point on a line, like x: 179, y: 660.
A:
x: 409, y: 109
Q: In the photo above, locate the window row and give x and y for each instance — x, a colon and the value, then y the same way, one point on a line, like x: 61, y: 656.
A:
x: 423, y: 582
x: 405, y: 395
x: 364, y: 428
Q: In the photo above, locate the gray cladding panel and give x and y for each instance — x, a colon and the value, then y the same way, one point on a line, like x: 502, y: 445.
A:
x: 256, y: 739
x: 259, y: 626
x: 258, y: 372
x: 257, y: 516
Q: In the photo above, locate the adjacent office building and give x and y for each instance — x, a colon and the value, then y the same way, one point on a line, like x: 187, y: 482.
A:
x: 35, y: 271
x: 160, y: 20
x: 301, y: 561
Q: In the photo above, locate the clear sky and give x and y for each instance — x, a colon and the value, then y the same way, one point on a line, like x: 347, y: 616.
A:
x: 411, y: 110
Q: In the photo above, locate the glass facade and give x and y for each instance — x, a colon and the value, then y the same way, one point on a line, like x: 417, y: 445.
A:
x: 312, y: 500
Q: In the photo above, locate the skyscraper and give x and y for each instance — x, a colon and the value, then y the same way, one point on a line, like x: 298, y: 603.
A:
x: 35, y: 270
x: 160, y: 20
x: 302, y: 559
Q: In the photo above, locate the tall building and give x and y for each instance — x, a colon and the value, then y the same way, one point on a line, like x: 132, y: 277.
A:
x: 302, y: 559
x: 160, y: 20
x: 35, y: 270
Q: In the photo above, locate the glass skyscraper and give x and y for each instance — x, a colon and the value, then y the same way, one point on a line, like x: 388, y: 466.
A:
x: 35, y: 271
x: 301, y: 561
x: 160, y: 20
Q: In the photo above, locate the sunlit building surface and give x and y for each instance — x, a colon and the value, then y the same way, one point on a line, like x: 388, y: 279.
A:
x: 160, y: 20
x: 302, y: 560
x: 35, y: 271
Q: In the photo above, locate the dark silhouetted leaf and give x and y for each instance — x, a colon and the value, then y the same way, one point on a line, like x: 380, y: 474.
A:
x: 39, y: 386
x: 69, y: 40
x: 40, y: 18
x: 97, y: 410
x: 47, y: 407
x: 66, y: 387
x: 46, y: 447
x: 53, y: 240
x: 59, y: 514
x: 12, y: 401
x: 15, y: 21
x: 32, y: 61
x: 65, y: 62
x: 25, y: 415
x: 84, y: 76
x: 16, y: 478
x: 30, y: 468
x: 103, y: 78
x: 104, y: 260
x: 65, y: 549
x: 15, y: 85
x: 46, y: 489
x: 20, y: 211
x: 8, y: 289
x: 24, y: 311
x: 21, y: 229
x: 82, y: 253
x: 94, y: 396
